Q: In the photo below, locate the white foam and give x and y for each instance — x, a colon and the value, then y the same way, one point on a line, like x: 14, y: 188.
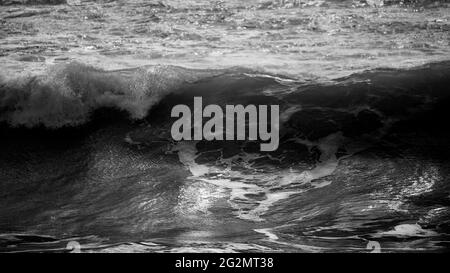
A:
x: 268, y: 233
x: 187, y: 154
x: 409, y: 230
x: 268, y: 187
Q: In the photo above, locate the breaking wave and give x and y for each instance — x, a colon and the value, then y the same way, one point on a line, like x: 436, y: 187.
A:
x: 67, y: 95
x: 357, y: 155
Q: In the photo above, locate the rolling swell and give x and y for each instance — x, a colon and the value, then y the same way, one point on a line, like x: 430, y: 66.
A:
x: 368, y: 105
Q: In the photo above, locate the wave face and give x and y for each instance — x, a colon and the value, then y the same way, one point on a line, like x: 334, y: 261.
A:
x: 87, y: 154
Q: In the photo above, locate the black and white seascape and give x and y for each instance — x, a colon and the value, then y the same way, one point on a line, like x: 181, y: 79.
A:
x: 357, y: 91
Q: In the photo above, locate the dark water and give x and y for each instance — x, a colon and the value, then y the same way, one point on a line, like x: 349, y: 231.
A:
x: 86, y: 155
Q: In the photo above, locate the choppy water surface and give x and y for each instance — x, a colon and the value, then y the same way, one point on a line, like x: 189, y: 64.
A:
x: 86, y: 90
x: 321, y: 38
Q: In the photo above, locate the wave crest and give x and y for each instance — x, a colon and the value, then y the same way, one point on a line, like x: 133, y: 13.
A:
x: 67, y: 94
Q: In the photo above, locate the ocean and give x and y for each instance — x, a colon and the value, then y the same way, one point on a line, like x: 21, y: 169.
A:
x: 87, y: 156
